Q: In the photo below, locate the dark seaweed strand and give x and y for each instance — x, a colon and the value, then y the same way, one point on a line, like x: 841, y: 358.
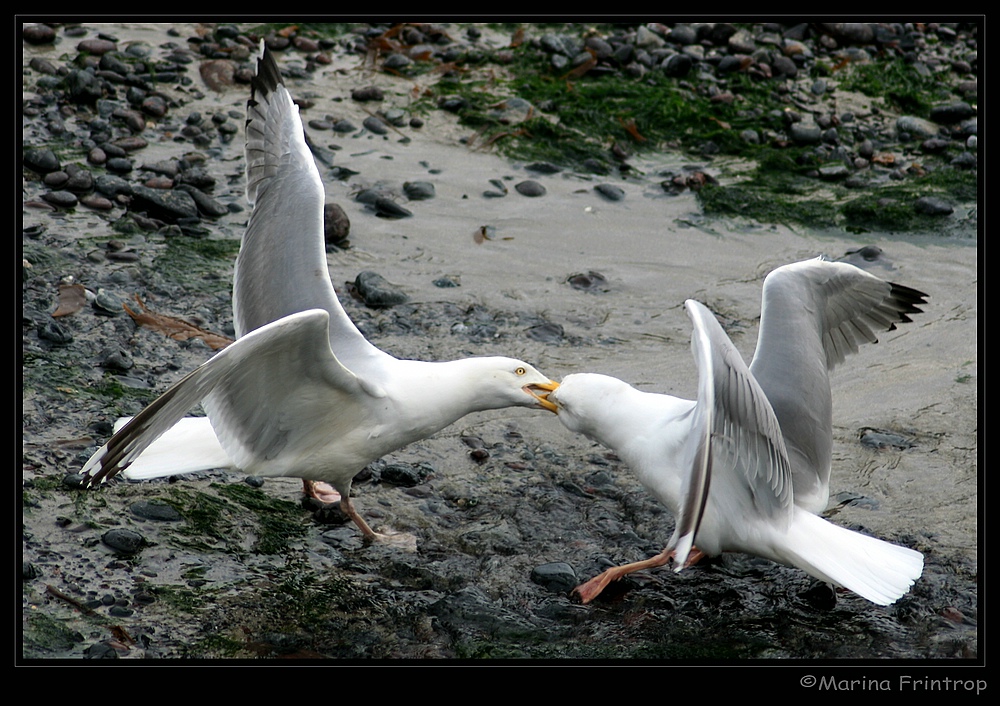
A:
x: 121, y: 443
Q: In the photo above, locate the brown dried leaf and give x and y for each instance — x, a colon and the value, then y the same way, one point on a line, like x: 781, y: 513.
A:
x: 631, y: 129
x: 174, y: 328
x: 122, y: 636
x: 582, y: 68
x: 72, y: 298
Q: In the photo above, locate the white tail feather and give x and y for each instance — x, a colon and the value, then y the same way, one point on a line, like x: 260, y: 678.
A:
x: 188, y: 446
x: 872, y: 568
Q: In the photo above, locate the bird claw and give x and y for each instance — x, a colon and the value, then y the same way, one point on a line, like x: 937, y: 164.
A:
x: 400, y: 540
x: 588, y: 591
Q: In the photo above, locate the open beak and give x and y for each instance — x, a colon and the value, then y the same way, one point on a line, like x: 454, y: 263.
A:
x: 543, y: 399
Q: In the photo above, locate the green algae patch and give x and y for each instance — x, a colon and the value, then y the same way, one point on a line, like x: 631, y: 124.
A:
x: 765, y: 206
x: 193, y: 263
x: 898, y: 83
x: 217, y: 522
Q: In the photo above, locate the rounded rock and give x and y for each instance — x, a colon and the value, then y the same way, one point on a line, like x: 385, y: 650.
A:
x: 529, y: 187
x: 124, y: 541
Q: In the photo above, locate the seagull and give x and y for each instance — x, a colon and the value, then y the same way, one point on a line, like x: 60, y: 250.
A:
x: 301, y: 392
x: 746, y: 466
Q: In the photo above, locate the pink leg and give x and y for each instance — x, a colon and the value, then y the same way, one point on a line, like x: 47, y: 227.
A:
x: 321, y: 491
x: 402, y: 540
x: 592, y: 589
x: 348, y: 508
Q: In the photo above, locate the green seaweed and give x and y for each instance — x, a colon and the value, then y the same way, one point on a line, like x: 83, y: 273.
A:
x: 897, y: 82
x: 274, y: 523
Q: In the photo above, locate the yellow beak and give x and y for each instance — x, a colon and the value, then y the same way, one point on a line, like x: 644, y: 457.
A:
x: 543, y: 400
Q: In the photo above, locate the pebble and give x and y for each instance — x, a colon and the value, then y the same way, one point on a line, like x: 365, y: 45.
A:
x: 546, y: 332
x: 952, y: 113
x: 154, y: 106
x: 933, y: 206
x: 543, y: 168
x: 123, y: 541
x: 38, y: 34
x: 96, y: 46
x: 344, y: 126
x: 418, y: 190
x: 588, y: 282
x: 54, y: 332
x: 677, y: 65
x: 375, y: 125
x: 168, y: 205
x: 405, y: 475
x: 96, y: 202
x: 119, y: 165
x: 805, y: 134
x: 557, y: 577
x: 155, y: 510
x: 916, y: 128
x: 205, y: 203
x: 377, y: 292
x: 62, y: 199
x: 499, y: 189
x: 965, y: 160
x: 55, y: 180
x: 336, y: 225
x: 368, y: 93
x: 529, y: 187
x: 397, y: 62
x: 385, y: 207
x: 610, y: 192
x: 41, y: 160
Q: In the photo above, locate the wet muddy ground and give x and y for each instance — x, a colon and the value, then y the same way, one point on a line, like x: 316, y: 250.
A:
x: 510, y: 510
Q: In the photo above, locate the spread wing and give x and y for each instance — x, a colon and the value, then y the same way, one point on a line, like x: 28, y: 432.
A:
x: 279, y: 387
x: 813, y: 314
x: 281, y: 268
x: 735, y: 449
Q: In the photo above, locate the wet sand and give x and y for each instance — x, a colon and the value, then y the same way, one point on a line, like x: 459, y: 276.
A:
x: 919, y: 382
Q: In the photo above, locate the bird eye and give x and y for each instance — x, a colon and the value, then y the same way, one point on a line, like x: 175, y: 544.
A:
x: 520, y: 371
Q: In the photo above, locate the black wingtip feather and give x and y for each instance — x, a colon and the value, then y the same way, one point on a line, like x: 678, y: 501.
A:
x: 268, y: 76
x: 908, y: 298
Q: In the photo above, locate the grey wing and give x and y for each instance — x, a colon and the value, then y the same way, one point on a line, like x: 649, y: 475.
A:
x: 281, y: 268
x: 737, y: 440
x: 813, y: 314
x: 289, y: 398
x: 285, y: 364
x: 841, y: 306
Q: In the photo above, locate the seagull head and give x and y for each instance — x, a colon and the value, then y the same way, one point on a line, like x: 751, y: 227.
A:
x: 582, y: 399
x: 536, y: 385
x: 514, y: 382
